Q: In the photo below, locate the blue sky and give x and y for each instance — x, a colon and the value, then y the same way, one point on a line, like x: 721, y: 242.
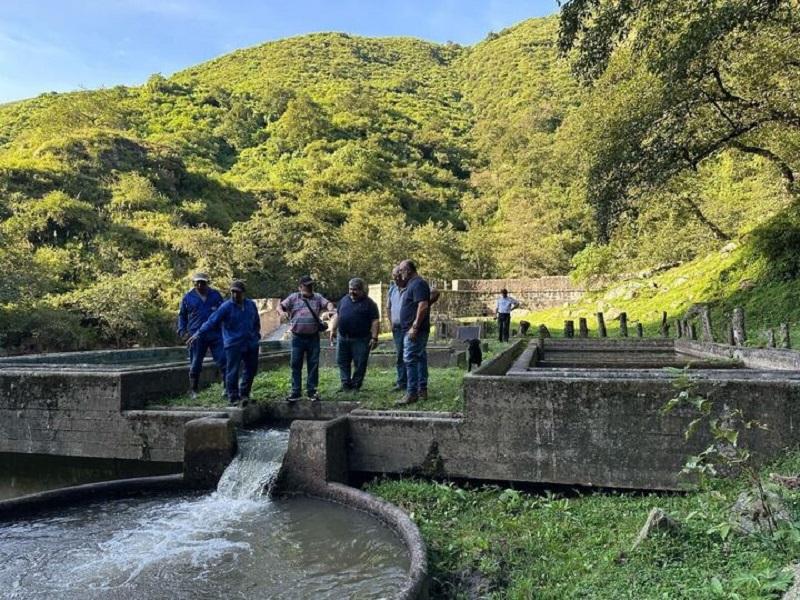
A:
x: 61, y: 45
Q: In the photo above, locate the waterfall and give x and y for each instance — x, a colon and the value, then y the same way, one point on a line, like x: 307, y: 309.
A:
x: 255, y: 467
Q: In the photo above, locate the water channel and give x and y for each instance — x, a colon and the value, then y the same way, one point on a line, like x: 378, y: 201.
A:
x: 233, y: 543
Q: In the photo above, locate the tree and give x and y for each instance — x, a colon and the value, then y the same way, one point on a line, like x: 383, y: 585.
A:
x: 714, y: 76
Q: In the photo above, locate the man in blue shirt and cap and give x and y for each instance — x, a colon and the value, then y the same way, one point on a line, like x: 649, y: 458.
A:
x: 241, y: 334
x: 196, y: 307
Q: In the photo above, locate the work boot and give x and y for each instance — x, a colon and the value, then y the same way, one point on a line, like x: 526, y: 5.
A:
x: 314, y: 397
x: 407, y: 399
x: 194, y: 386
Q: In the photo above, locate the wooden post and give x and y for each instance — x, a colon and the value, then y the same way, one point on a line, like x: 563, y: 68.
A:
x: 739, y: 333
x: 691, y: 330
x: 784, y: 337
x: 705, y: 325
x: 583, y: 328
x: 679, y: 323
x: 601, y: 325
x: 623, y: 324
x: 730, y: 336
x: 770, y: 338
x: 639, y: 330
x: 569, y: 329
x: 664, y: 329
x: 544, y: 332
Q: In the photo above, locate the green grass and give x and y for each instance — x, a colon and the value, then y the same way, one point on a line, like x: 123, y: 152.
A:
x: 444, y: 390
x: 723, y: 279
x: 498, y: 543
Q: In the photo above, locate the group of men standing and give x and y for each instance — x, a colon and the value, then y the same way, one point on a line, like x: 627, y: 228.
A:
x: 231, y: 330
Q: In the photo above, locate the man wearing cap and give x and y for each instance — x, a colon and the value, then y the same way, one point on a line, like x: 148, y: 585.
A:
x: 241, y: 333
x: 304, y: 309
x: 196, y: 307
x: 357, y: 323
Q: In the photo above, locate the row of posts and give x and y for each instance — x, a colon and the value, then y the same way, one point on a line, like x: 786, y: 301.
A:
x: 685, y: 328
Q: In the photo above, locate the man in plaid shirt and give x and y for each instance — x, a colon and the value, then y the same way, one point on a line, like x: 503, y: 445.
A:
x: 303, y: 309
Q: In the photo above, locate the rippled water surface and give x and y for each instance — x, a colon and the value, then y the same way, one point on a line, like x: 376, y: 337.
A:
x: 233, y: 543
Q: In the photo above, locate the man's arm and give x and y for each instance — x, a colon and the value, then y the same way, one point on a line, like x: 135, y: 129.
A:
x: 422, y: 310
x: 434, y: 296
x: 215, y: 319
x: 183, y: 319
x: 256, y: 323
x: 282, y: 309
x: 375, y: 328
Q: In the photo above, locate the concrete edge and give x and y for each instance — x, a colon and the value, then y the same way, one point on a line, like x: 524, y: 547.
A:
x: 500, y: 363
x: 390, y: 515
x: 33, y: 504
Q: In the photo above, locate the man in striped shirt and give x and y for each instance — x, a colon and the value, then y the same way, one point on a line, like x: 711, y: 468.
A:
x: 304, y: 309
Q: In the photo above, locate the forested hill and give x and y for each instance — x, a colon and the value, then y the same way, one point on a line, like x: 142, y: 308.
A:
x: 337, y: 155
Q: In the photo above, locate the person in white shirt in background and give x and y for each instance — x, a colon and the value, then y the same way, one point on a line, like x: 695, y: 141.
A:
x: 505, y: 304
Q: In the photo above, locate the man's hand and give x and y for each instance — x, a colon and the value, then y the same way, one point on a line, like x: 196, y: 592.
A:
x: 332, y: 337
x: 373, y: 343
x: 412, y: 333
x: 191, y: 339
x: 284, y: 317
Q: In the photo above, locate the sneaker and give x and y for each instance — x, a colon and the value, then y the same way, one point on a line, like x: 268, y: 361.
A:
x: 406, y: 399
x: 423, y: 394
x: 314, y: 397
x: 293, y: 398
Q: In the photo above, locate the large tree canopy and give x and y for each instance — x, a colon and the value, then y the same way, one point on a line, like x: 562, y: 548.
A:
x: 702, y: 78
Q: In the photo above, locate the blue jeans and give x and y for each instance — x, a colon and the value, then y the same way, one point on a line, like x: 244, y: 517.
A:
x: 197, y: 353
x: 398, y: 335
x: 416, y: 360
x: 237, y: 356
x: 308, y: 346
x: 352, y: 352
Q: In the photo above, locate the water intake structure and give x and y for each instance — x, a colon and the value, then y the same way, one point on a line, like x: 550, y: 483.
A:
x: 235, y: 542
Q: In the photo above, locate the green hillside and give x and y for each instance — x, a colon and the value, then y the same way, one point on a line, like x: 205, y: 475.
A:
x: 338, y: 155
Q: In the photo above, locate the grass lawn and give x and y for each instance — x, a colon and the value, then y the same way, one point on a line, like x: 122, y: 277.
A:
x: 490, y: 542
x: 444, y: 389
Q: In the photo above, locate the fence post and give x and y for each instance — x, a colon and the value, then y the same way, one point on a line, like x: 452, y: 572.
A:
x: 583, y: 328
x: 739, y: 333
x: 623, y: 324
x: 664, y: 329
x: 601, y: 325
x: 569, y: 329
x: 785, y: 338
x: 639, y: 330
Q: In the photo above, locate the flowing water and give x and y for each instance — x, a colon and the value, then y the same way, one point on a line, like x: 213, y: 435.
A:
x: 232, y: 543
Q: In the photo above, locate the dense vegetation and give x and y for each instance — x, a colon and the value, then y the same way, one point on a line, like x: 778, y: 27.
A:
x: 490, y: 542
x: 631, y: 138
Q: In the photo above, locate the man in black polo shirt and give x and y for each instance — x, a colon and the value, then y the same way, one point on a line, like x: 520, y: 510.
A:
x: 356, y: 323
x: 416, y: 323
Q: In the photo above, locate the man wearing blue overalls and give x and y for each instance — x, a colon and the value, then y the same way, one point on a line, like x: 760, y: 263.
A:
x: 196, y: 307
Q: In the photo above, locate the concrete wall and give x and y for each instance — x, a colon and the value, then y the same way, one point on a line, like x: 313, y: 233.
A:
x: 70, y: 412
x: 578, y: 426
x: 477, y: 297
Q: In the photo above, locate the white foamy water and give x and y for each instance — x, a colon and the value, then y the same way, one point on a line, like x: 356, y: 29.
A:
x: 232, y: 543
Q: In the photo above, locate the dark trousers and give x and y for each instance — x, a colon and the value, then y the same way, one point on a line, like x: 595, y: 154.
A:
x: 400, y: 366
x: 305, y: 346
x: 503, y: 326
x: 197, y: 353
x: 237, y: 357
x: 352, y: 353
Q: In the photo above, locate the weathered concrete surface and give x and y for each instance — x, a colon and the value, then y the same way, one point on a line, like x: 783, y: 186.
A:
x: 209, y: 447
x: 582, y: 426
x: 66, y: 409
x: 385, y: 357
x: 315, y: 464
x: 753, y: 358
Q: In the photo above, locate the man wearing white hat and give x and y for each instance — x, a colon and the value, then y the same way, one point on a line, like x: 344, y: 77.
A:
x: 197, y: 306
